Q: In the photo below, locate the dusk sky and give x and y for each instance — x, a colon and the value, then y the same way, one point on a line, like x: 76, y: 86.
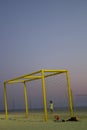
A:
x: 44, y: 34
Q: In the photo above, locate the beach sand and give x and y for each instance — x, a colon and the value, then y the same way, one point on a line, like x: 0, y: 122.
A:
x: 22, y: 123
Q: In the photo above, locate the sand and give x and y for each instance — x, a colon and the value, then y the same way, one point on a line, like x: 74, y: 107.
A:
x: 21, y: 123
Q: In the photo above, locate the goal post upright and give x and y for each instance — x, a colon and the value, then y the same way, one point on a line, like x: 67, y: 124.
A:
x: 44, y: 96
x: 26, y: 99
x: 69, y: 94
x: 5, y: 101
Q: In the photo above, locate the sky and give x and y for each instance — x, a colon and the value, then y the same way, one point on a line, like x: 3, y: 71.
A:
x: 44, y: 34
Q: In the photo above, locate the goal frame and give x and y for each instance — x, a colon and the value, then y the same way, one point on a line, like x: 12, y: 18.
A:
x: 41, y: 74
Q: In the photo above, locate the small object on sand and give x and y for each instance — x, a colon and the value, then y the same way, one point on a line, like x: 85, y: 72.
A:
x: 63, y: 120
x: 56, y: 118
x: 73, y: 119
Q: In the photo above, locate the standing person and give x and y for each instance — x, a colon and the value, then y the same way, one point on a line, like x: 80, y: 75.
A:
x: 51, y: 106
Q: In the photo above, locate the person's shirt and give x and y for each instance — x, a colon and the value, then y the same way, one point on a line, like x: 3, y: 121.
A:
x: 51, y: 106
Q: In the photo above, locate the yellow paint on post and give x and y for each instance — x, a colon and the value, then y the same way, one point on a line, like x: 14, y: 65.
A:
x: 44, y: 97
x: 70, y: 95
x: 5, y: 101
x: 26, y: 99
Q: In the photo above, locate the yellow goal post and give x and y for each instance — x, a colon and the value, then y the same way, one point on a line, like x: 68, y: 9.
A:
x: 41, y: 74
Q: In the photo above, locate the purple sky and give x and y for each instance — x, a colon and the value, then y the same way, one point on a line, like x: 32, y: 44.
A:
x: 44, y: 34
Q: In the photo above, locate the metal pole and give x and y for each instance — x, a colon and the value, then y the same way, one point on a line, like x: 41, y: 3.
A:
x: 5, y: 101
x: 44, y: 97
x: 26, y: 99
x: 70, y: 95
